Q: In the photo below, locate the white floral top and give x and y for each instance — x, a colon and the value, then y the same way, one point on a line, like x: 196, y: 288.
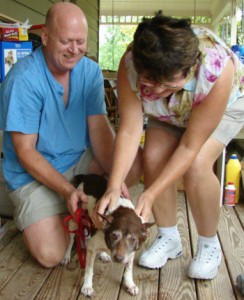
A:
x: 214, y: 56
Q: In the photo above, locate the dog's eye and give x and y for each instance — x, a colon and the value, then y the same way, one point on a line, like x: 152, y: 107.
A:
x: 114, y: 236
x: 133, y: 239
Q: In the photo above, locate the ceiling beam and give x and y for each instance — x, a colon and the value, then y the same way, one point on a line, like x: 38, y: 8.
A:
x: 221, y: 9
x: 148, y: 8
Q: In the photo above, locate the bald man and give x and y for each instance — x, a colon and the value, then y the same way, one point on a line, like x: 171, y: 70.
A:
x: 55, y: 126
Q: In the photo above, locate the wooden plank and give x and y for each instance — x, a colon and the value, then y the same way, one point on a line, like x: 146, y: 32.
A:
x: 38, y: 6
x: 174, y: 283
x: 106, y: 281
x: 92, y: 17
x: 21, y: 12
x: 26, y: 282
x: 92, y: 35
x: 93, y: 23
x: 11, y: 259
x: 135, y: 191
x: 89, y: 9
x: 218, y: 288
x: 63, y: 283
x: 239, y: 208
x: 10, y: 234
x: 232, y: 240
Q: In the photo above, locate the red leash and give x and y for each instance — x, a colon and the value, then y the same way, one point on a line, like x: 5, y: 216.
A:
x: 83, y: 230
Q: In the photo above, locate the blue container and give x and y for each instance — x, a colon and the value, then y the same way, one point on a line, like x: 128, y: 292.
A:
x: 10, y: 53
x: 239, y: 51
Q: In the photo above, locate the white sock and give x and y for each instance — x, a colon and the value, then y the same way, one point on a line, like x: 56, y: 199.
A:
x: 173, y: 230
x: 209, y: 240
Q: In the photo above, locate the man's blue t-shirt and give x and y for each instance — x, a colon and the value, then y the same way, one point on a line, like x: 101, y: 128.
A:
x: 32, y: 102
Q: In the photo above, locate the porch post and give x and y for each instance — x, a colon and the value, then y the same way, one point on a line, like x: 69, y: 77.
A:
x: 233, y: 35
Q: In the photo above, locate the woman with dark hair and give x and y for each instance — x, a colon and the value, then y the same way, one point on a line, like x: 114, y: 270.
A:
x: 190, y: 85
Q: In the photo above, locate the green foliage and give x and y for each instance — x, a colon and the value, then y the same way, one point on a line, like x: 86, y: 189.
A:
x: 114, y: 40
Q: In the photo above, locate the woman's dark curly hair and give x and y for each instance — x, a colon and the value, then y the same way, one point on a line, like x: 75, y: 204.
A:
x: 164, y: 46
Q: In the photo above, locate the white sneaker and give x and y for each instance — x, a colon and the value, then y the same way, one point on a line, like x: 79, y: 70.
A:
x: 206, y: 261
x: 163, y: 248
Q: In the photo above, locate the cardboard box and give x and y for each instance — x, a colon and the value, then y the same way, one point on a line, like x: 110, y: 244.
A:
x: 23, y: 34
x: 10, y: 53
x: 9, y: 34
x: 13, y: 34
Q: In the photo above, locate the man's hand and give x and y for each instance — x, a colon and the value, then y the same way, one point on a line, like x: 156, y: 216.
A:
x: 144, y: 206
x: 75, y: 200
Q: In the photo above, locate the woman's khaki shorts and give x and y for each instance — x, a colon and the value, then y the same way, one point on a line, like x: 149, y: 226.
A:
x: 230, y: 125
x: 34, y: 201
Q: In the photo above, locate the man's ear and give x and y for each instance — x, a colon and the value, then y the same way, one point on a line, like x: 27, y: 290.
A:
x: 108, y: 219
x: 44, y: 36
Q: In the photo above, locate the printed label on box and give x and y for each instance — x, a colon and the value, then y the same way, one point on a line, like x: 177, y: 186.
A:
x: 12, y: 56
x: 13, y: 34
x: 9, y: 59
x: 11, y: 52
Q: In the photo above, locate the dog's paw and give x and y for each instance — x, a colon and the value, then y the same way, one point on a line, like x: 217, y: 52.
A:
x: 87, y: 291
x: 66, y: 260
x: 133, y: 290
x: 105, y: 257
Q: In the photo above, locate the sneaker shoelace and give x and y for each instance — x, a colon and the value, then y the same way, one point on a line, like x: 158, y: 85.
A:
x: 160, y: 242
x: 205, y: 253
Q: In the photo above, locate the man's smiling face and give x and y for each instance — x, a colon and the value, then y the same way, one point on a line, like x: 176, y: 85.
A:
x: 65, y: 44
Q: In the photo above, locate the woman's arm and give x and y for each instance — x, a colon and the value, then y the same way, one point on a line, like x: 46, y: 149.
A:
x: 130, y: 129
x: 126, y: 143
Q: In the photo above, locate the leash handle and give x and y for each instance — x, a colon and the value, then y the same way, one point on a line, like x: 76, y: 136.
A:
x: 65, y: 224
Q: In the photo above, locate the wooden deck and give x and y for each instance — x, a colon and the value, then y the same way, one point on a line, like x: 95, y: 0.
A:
x: 22, y: 278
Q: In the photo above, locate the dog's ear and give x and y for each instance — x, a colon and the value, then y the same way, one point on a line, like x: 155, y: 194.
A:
x: 108, y: 219
x: 145, y: 227
x: 78, y: 179
x: 94, y: 185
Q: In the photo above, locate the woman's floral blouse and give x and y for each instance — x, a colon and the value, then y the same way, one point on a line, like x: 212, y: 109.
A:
x: 214, y: 56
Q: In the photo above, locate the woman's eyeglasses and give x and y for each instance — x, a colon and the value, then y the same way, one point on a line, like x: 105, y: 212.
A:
x: 167, y: 86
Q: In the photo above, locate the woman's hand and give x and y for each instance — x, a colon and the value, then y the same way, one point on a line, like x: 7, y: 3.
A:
x: 144, y: 205
x: 107, y: 202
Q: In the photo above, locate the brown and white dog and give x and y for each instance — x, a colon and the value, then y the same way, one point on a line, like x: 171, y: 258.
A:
x: 123, y: 234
